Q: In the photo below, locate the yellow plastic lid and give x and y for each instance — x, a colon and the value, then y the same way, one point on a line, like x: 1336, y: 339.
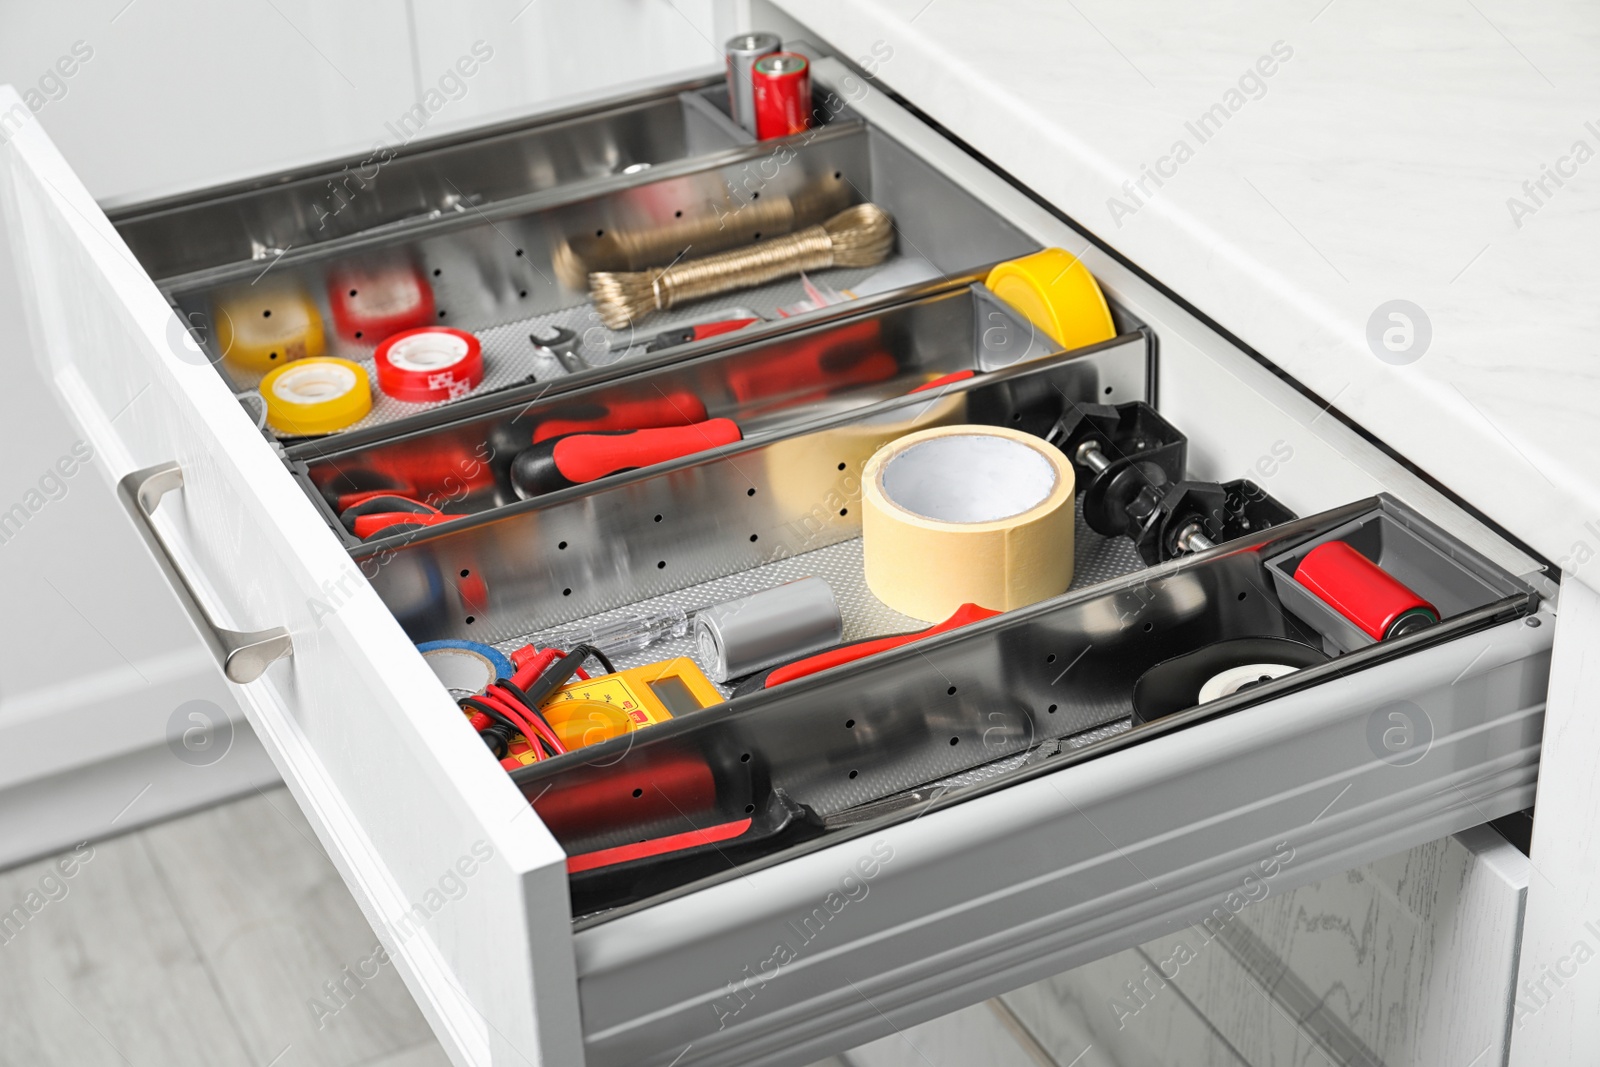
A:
x: 1057, y: 294
x: 316, y: 395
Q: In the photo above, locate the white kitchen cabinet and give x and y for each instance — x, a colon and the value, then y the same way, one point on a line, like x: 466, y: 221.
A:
x: 1108, y: 846
x: 1409, y: 959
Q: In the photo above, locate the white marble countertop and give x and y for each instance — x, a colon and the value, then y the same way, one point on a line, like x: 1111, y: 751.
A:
x: 1382, y: 158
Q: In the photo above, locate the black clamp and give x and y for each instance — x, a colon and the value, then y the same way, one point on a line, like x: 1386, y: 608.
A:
x: 1130, y: 463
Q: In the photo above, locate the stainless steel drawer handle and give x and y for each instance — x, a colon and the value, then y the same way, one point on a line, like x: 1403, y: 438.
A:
x: 243, y: 656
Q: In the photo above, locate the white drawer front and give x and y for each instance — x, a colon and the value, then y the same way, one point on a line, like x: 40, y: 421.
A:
x: 425, y: 828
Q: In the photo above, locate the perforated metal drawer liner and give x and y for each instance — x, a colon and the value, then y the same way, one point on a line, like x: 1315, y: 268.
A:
x: 994, y: 689
x: 1099, y: 559
x: 542, y: 563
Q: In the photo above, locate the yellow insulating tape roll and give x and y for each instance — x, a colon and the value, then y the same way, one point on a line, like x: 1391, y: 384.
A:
x: 263, y: 327
x: 320, y: 395
x: 1057, y: 294
x: 967, y: 514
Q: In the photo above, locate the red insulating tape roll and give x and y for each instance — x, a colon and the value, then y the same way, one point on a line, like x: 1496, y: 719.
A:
x: 369, y: 305
x: 1360, y: 590
x: 432, y: 363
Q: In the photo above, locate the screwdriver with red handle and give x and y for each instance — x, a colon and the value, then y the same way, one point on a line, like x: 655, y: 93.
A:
x: 965, y: 615
x: 664, y: 409
x: 576, y: 458
x: 673, y: 338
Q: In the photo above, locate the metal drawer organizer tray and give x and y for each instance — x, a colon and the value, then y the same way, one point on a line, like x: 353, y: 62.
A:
x: 958, y: 713
x: 498, y: 230
x: 490, y: 220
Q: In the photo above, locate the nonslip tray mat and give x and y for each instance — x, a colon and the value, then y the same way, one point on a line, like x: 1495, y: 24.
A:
x: 1098, y: 559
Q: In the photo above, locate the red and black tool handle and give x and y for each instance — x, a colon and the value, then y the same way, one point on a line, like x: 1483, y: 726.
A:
x: 673, y: 338
x: 665, y: 409
x: 577, y: 458
x: 390, y: 514
x: 946, y: 379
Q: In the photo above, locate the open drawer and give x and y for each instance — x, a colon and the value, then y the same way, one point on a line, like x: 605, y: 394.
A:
x: 914, y: 908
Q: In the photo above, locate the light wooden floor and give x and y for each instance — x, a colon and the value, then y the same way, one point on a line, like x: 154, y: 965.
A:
x: 209, y: 940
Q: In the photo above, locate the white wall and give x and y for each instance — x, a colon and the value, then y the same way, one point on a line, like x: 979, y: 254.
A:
x: 180, y: 94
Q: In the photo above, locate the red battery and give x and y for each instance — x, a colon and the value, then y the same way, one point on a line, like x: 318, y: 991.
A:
x: 1363, y: 592
x: 782, y: 90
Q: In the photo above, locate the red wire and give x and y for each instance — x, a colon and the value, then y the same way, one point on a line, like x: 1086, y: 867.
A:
x: 537, y: 663
x: 532, y: 662
x: 507, y: 704
x: 517, y: 714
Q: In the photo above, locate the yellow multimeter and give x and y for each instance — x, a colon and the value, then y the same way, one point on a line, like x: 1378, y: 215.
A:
x: 588, y: 711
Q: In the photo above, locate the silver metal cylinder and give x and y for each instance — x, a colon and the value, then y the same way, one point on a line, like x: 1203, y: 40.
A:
x: 1090, y: 456
x: 739, y: 637
x: 742, y: 52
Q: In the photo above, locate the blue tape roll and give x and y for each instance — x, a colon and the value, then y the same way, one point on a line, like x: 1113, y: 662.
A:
x: 457, y: 676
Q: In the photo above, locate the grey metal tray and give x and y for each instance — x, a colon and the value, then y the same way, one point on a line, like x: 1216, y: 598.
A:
x: 769, y: 387
x: 498, y: 268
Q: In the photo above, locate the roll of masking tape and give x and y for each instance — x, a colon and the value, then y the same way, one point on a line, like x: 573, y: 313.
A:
x: 967, y: 514
x: 1056, y: 293
x: 812, y: 471
x: 312, y: 396
x: 259, y: 328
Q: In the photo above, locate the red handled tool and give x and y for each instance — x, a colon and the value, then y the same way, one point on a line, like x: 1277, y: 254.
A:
x: 834, y: 657
x: 673, y: 338
x: 1363, y: 592
x: 946, y: 379
x: 808, y: 368
x: 574, y: 459
x: 657, y: 846
x: 664, y: 409
x: 350, y: 500
x: 390, y: 514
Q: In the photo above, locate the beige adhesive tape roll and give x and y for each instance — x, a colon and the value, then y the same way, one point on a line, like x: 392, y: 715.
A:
x: 967, y: 514
x: 816, y: 474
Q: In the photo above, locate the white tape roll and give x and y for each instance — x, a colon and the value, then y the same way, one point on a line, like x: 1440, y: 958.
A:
x: 1234, y: 679
x: 967, y: 514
